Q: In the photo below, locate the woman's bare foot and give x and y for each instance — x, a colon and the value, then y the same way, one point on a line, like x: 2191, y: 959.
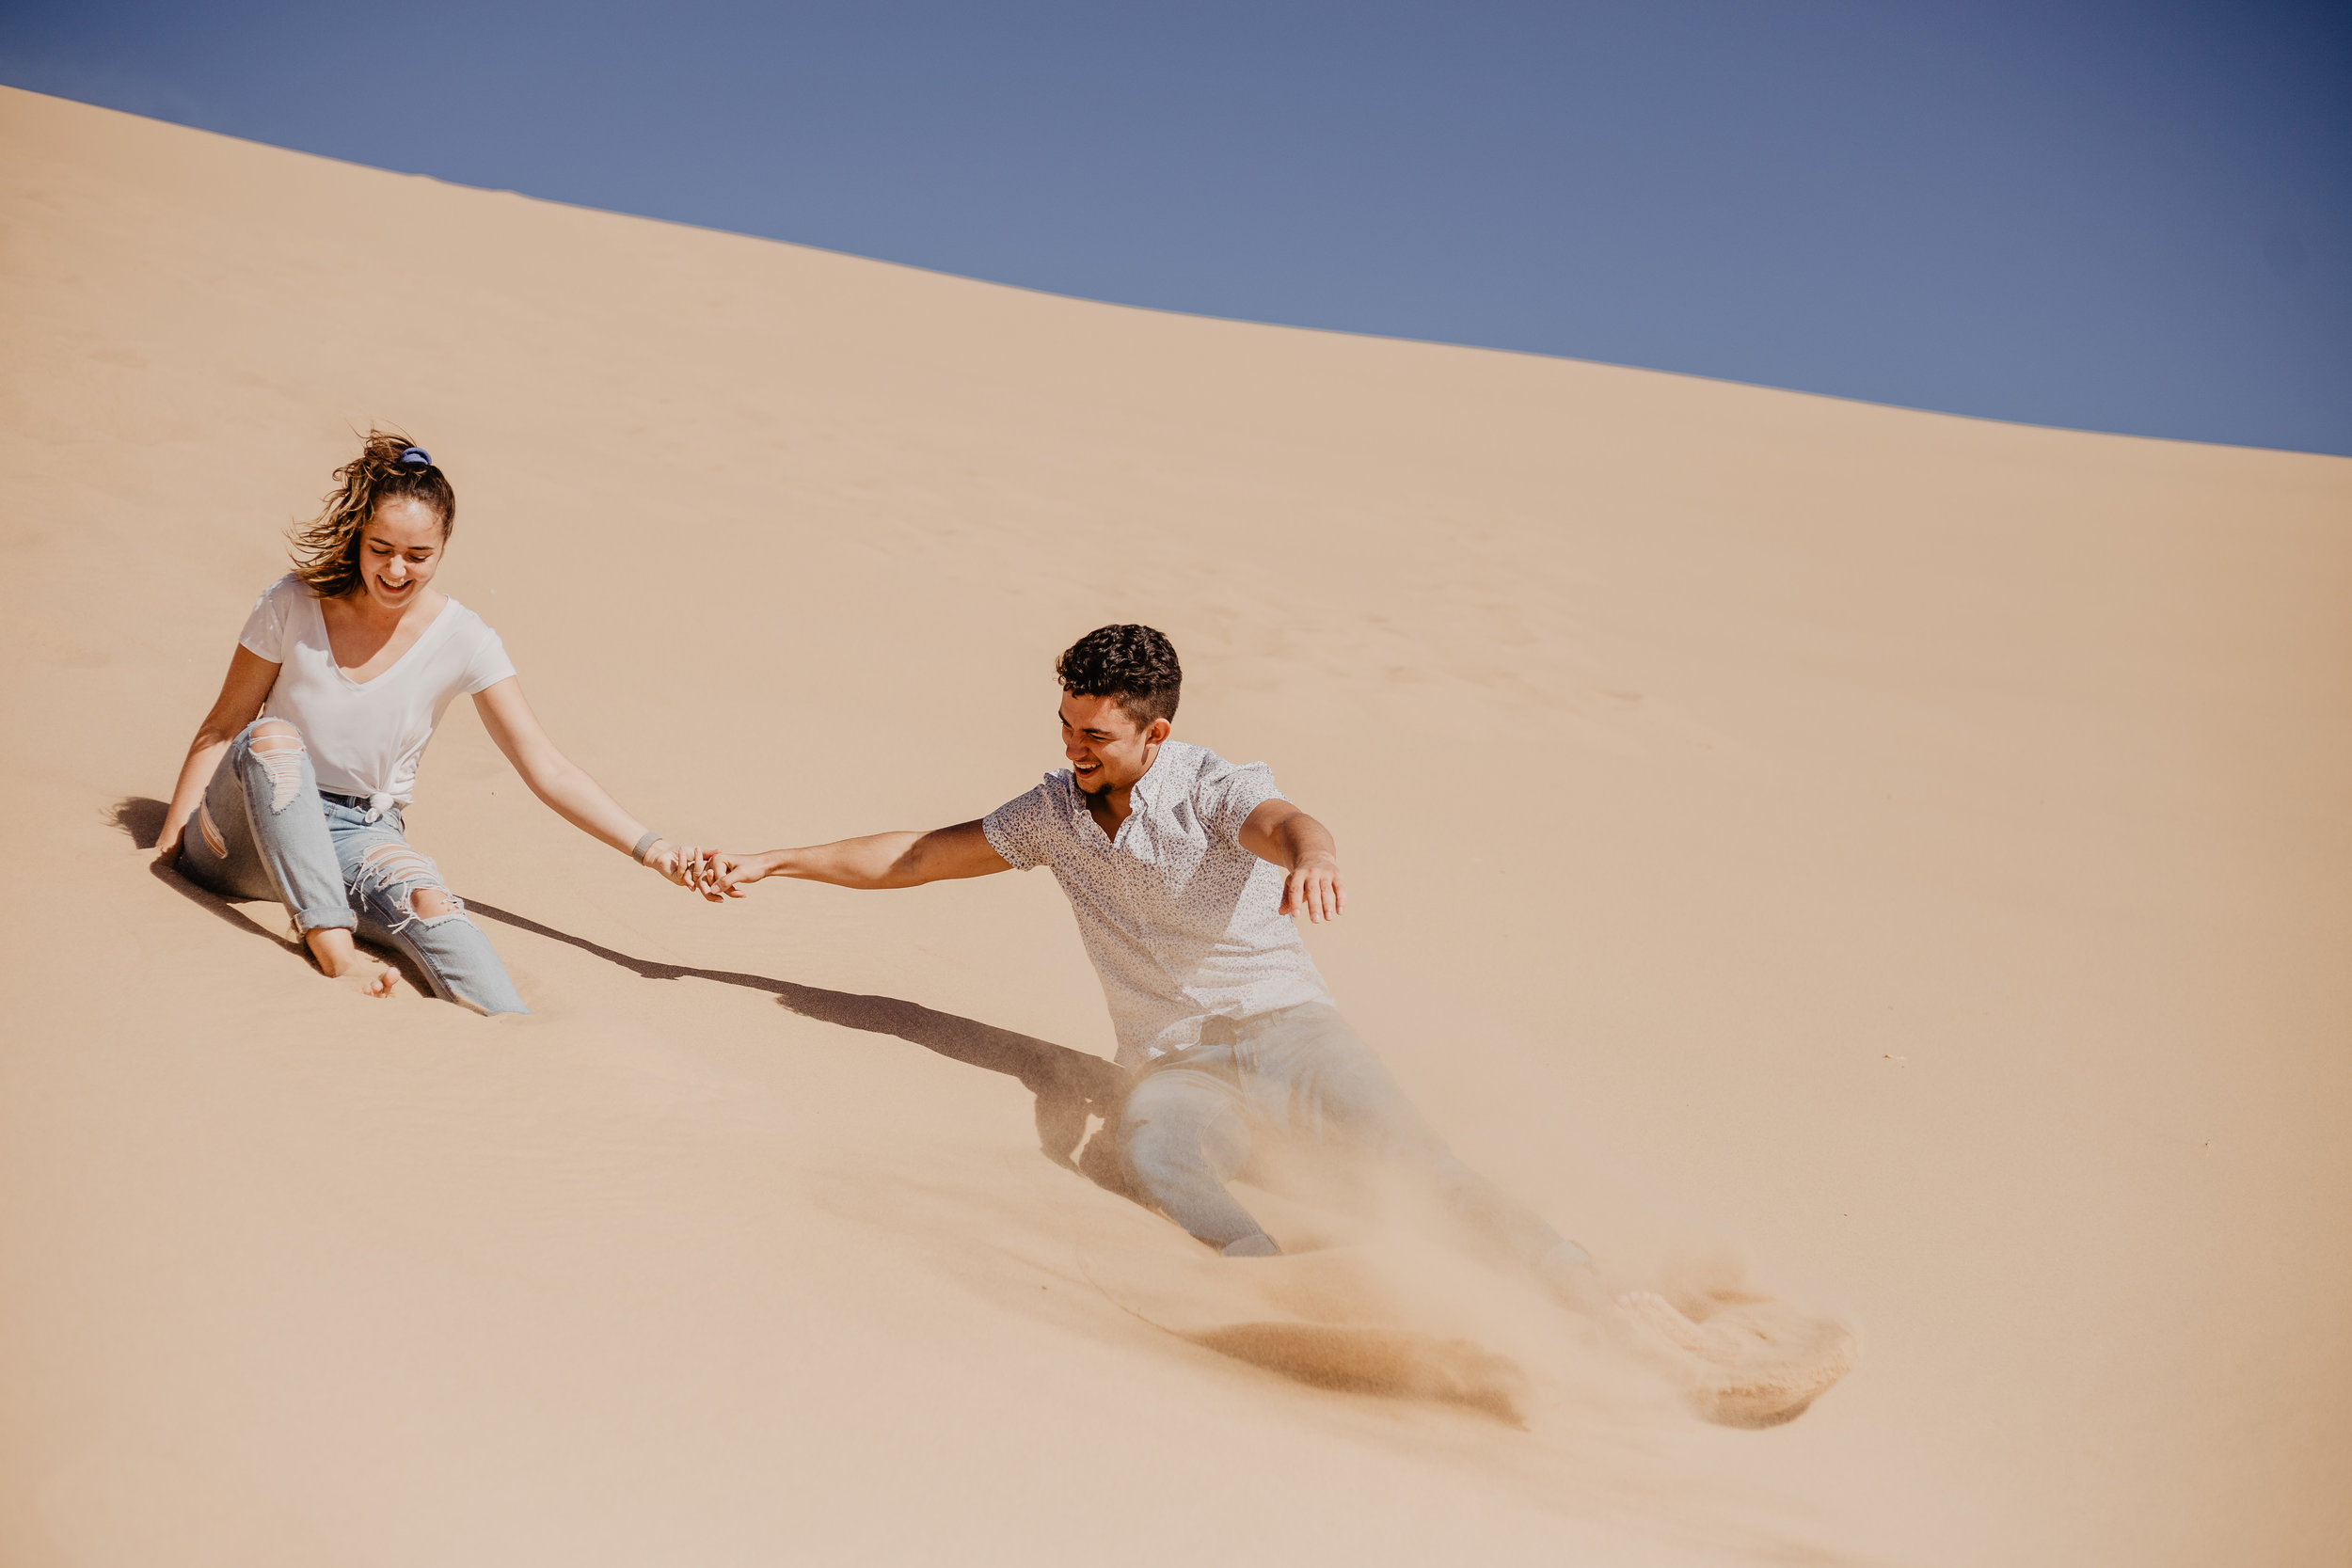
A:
x: 1751, y: 1362
x: 339, y: 958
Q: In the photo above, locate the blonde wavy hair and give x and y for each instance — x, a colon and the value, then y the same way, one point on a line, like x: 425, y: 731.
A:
x: 327, y: 549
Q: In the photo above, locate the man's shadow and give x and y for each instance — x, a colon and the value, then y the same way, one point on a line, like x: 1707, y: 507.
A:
x: 1069, y: 1084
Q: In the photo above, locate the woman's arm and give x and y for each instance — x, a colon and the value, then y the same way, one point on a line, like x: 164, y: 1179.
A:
x: 243, y: 691
x: 877, y: 861
x: 567, y: 790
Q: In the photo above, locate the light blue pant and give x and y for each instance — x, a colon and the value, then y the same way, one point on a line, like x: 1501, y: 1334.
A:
x: 266, y: 832
x: 1197, y: 1119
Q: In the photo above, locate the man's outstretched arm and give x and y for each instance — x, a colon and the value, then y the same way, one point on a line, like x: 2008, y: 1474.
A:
x: 1280, y: 832
x: 879, y: 860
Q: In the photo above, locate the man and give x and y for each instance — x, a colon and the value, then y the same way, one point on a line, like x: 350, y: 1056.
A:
x: 1184, y: 870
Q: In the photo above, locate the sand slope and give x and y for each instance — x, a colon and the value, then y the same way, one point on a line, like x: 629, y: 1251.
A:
x: 1911, y: 850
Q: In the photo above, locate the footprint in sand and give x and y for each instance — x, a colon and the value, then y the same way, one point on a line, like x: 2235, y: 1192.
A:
x: 1746, y: 1362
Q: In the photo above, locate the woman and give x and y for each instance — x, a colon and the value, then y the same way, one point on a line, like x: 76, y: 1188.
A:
x: 294, y: 786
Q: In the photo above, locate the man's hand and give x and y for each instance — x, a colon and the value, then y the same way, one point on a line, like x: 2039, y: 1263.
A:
x: 1314, y: 889
x: 1302, y: 847
x: 720, y: 875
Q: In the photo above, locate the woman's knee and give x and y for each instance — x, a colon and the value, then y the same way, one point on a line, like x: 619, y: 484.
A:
x: 408, y: 884
x: 272, y: 738
x: 277, y: 747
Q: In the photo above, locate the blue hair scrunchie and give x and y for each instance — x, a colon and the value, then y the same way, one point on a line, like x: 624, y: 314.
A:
x: 415, y: 457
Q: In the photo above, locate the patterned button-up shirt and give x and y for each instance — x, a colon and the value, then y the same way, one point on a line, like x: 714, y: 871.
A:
x: 1178, y: 917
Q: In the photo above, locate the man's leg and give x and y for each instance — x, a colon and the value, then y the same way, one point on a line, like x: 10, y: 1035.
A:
x: 1340, y: 1096
x: 1183, y: 1137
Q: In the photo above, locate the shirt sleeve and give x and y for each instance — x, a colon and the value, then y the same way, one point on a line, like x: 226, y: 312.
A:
x: 489, y: 664
x: 1021, y: 830
x: 1225, y: 799
x: 264, y: 634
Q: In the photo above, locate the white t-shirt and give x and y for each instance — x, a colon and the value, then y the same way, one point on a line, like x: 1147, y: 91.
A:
x: 364, y: 739
x: 1180, y: 920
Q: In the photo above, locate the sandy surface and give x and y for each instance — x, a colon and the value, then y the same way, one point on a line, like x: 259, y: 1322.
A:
x: 1906, y: 853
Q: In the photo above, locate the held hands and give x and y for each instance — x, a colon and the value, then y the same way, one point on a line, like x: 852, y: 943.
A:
x: 677, y: 861
x: 1313, y: 888
x: 719, y: 875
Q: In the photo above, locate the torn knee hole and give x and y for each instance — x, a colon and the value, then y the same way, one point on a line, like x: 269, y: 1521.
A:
x: 398, y: 863
x: 410, y: 877
x: 279, y: 748
x: 211, y: 830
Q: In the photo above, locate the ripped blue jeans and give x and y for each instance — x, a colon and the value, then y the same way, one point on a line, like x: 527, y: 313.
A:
x: 263, y: 831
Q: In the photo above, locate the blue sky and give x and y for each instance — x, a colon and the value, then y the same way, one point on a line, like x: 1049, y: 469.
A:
x: 2129, y: 217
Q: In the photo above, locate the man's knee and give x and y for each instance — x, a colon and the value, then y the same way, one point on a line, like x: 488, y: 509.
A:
x: 1159, y: 1151
x: 1175, y: 1142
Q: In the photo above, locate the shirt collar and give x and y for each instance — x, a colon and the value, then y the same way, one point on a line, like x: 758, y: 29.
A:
x: 1145, y: 794
x: 1146, y: 789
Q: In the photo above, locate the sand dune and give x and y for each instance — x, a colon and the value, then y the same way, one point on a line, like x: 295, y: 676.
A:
x: 1880, y: 861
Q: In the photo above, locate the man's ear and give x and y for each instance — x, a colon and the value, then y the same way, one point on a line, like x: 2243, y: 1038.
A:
x: 1158, y: 732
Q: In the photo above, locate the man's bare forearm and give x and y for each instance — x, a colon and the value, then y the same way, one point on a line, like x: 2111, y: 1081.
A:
x: 876, y: 860
x: 1302, y: 838
x: 1281, y: 833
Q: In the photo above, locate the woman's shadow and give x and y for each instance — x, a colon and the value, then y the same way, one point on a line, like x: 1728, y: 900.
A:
x: 1070, y: 1086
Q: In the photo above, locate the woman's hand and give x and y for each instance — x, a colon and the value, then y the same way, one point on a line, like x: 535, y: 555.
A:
x: 677, y: 862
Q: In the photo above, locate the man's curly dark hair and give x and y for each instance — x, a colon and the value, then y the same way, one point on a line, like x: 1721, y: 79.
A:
x: 1133, y: 664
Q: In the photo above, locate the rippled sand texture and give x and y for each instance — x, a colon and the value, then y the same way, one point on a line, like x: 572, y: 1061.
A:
x: 1857, y: 870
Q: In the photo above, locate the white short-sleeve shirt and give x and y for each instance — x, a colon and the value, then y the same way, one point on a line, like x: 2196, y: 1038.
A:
x: 1178, y: 918
x: 364, y: 737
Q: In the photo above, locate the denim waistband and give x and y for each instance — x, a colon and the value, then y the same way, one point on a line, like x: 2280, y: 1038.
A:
x: 361, y: 803
x: 1217, y: 1047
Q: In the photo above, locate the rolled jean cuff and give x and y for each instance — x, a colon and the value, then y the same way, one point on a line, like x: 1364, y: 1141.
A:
x: 332, y: 917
